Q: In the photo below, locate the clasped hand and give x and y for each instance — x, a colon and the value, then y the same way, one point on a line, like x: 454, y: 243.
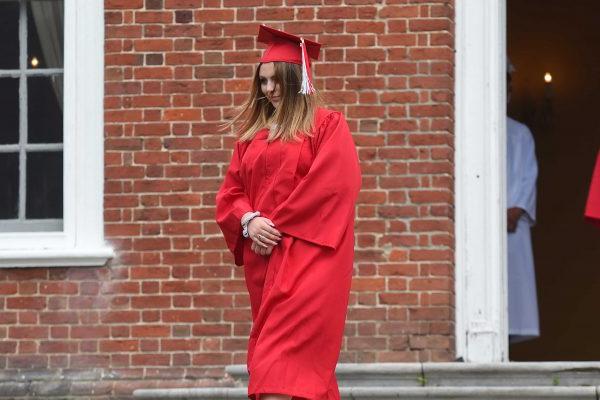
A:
x: 264, y: 235
x: 512, y: 218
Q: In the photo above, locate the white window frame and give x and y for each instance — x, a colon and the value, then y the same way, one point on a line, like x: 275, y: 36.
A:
x: 22, y: 148
x: 481, y: 284
x: 81, y: 243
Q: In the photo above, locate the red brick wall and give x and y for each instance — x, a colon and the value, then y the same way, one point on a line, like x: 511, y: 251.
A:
x: 171, y: 303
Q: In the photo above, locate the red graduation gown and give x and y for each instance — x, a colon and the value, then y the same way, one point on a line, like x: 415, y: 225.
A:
x: 298, y: 294
x: 592, y: 210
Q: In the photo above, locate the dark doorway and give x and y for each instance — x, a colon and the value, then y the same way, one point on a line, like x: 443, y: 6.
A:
x: 560, y: 37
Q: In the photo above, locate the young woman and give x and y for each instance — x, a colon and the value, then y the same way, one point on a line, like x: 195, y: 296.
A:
x: 286, y: 209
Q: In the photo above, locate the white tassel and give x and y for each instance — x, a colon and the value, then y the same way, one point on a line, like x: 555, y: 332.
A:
x: 307, y: 86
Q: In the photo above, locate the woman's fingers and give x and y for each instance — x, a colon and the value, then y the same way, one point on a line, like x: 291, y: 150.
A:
x: 263, y: 225
x: 261, y: 250
x: 264, y: 240
x: 272, y: 231
x: 271, y: 228
x: 257, y: 249
x: 269, y: 232
x: 263, y: 233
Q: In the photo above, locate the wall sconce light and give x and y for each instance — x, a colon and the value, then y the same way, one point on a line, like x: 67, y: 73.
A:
x: 547, y: 106
x: 548, y: 87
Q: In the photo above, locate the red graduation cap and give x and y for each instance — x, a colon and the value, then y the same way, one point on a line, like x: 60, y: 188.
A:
x: 285, y: 47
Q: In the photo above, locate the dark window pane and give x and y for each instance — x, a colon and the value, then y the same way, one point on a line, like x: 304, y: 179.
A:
x: 9, y: 32
x: 45, y: 119
x: 44, y: 185
x: 9, y: 181
x: 9, y: 110
x: 45, y: 32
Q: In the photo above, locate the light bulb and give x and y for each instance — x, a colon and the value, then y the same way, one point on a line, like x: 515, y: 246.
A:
x: 548, y: 77
x: 35, y: 62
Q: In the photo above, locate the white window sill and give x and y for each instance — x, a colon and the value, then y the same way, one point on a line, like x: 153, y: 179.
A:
x: 56, y: 257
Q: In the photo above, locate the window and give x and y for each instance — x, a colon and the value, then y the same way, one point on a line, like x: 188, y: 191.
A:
x: 31, y: 139
x: 51, y: 148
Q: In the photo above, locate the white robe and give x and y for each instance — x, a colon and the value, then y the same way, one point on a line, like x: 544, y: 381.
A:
x: 521, y: 178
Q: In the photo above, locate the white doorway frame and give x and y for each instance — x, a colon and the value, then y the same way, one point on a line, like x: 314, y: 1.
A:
x: 480, y: 137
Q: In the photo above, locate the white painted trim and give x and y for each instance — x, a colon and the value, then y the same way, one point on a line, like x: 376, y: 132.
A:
x: 54, y: 258
x: 481, y: 287
x: 82, y: 241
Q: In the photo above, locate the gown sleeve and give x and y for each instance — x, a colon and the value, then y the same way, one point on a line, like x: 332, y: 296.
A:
x: 526, y: 194
x: 321, y: 206
x: 592, y: 209
x: 232, y: 204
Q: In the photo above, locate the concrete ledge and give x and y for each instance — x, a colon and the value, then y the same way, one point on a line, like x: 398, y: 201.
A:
x: 502, y: 381
x: 458, y: 374
x: 196, y: 393
x: 482, y: 393
x: 559, y: 374
x: 383, y: 374
x: 407, y: 393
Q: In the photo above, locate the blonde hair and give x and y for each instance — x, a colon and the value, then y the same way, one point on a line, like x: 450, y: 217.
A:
x: 294, y: 115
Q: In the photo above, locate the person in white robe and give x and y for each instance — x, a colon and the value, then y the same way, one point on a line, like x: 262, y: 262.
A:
x: 521, y: 179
